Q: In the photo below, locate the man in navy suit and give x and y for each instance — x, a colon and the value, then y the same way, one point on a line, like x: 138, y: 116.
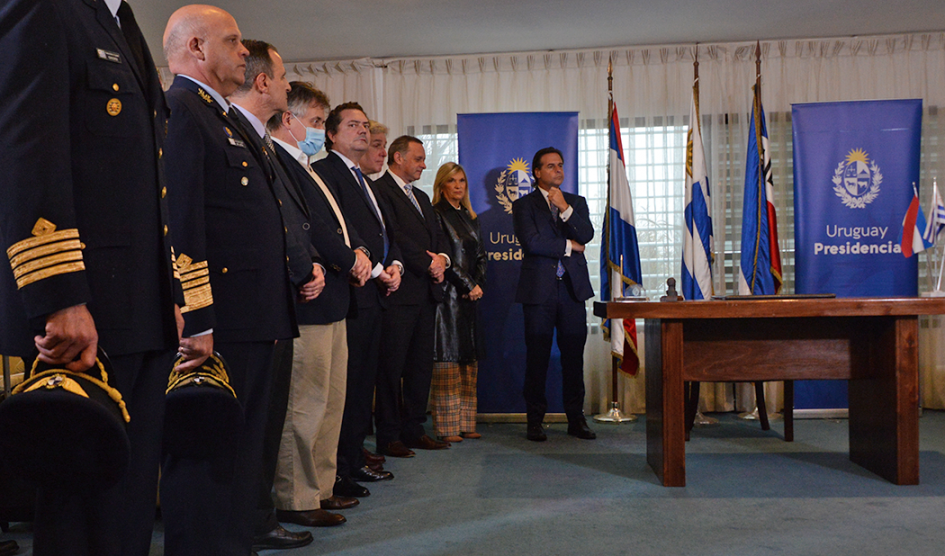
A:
x: 306, y: 472
x: 406, y: 362
x: 84, y: 223
x: 347, y: 135
x: 233, y: 264
x: 553, y: 227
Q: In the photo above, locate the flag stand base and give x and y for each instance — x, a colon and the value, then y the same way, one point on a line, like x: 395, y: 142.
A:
x: 615, y: 416
x: 702, y: 420
x: 753, y: 416
x: 936, y: 293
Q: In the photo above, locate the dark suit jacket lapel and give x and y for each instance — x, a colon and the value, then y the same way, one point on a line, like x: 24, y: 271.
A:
x: 342, y: 168
x: 107, y: 21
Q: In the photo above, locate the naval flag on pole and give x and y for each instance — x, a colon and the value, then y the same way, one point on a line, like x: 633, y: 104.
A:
x: 620, y: 257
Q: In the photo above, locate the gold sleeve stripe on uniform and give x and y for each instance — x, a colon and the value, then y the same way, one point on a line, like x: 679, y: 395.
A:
x: 174, y: 266
x: 193, y: 283
x: 36, y: 241
x: 42, y: 251
x: 191, y: 274
x: 45, y: 262
x: 48, y: 272
x: 197, y: 298
x: 191, y: 266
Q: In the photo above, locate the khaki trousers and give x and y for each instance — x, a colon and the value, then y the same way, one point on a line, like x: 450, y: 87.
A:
x: 306, y: 469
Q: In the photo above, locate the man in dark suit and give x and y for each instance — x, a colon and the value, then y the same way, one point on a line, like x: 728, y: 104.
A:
x: 553, y: 227
x: 346, y: 130
x: 306, y: 472
x: 262, y: 96
x: 84, y: 223
x: 233, y: 263
x: 406, y: 360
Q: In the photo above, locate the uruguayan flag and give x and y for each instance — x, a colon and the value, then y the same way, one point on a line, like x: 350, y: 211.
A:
x: 936, y: 219
x: 697, y: 241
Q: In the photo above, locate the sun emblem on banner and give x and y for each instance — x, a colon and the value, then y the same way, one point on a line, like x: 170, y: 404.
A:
x: 857, y: 179
x: 514, y: 183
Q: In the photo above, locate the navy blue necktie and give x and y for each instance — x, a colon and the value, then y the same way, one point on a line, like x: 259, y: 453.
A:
x: 377, y: 212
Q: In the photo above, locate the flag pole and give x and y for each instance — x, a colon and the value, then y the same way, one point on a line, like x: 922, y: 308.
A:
x: 755, y: 413
x: 700, y: 418
x: 938, y: 285
x: 614, y: 415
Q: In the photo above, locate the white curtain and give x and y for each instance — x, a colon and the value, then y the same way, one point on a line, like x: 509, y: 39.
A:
x: 652, y: 87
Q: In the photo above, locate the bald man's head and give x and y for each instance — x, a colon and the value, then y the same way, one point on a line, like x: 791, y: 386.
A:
x: 203, y: 42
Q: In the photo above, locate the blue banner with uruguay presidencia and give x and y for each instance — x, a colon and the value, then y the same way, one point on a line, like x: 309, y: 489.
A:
x: 496, y: 151
x: 855, y: 165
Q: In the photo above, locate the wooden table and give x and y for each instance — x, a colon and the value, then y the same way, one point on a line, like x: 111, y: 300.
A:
x: 873, y: 342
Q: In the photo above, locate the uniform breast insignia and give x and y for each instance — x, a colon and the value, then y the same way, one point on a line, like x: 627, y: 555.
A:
x: 48, y: 253
x: 195, y: 280
x: 233, y: 140
x: 113, y: 107
x: 205, y: 96
x: 108, y: 55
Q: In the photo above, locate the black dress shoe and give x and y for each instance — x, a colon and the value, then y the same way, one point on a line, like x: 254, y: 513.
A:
x: 311, y: 518
x: 280, y: 538
x: 368, y: 475
x: 426, y: 443
x: 536, y: 433
x: 396, y: 449
x: 339, y: 502
x: 344, y: 486
x: 581, y: 430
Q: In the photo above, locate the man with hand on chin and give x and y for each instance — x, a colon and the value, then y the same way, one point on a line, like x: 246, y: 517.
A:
x: 553, y: 227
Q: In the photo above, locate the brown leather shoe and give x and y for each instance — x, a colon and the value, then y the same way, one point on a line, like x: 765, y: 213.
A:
x: 427, y: 443
x: 311, y: 518
x: 375, y: 466
x: 472, y: 435
x: 450, y: 439
x: 396, y: 450
x: 372, y: 458
x: 339, y: 503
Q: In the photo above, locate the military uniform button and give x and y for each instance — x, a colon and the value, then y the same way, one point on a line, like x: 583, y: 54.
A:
x: 280, y: 202
x: 224, y: 270
x: 285, y: 230
x: 165, y: 229
x: 160, y: 153
x: 245, y: 164
x: 244, y: 181
x: 115, y: 87
x: 163, y: 192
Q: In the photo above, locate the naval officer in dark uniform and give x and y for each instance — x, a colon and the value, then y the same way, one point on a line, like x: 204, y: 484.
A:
x: 233, y: 264
x: 84, y: 224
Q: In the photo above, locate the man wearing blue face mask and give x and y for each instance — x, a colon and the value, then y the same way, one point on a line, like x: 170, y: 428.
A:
x: 305, y: 474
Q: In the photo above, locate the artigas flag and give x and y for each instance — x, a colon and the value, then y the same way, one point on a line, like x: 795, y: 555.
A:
x: 620, y: 253
x: 761, y: 256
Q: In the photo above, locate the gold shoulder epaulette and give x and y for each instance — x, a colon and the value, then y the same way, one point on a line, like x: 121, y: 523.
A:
x: 48, y: 253
x: 195, y: 279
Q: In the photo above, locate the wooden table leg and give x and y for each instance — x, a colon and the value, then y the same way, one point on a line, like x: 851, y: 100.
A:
x: 884, y: 400
x: 665, y: 407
